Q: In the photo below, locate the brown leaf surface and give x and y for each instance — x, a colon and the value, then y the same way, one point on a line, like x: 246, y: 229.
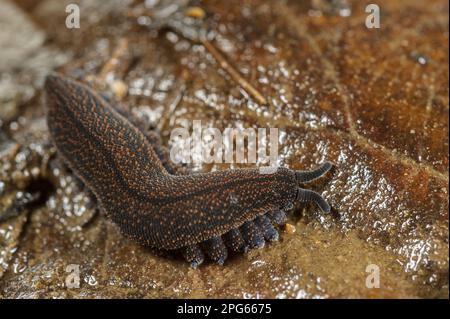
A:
x: 373, y: 101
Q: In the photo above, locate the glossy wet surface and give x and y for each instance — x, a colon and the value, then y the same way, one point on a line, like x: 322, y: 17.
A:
x: 374, y: 102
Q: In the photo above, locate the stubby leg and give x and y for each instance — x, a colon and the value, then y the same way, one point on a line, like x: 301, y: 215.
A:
x: 252, y: 235
x: 233, y: 239
x: 215, y: 249
x: 266, y: 228
x: 277, y: 216
x: 194, y: 255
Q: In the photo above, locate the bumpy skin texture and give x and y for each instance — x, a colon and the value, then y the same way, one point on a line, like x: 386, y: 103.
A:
x: 119, y: 165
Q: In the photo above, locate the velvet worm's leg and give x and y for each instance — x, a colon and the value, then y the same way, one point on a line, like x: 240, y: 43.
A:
x: 215, y: 249
x: 252, y: 235
x: 278, y: 216
x: 266, y: 228
x: 233, y: 239
x: 194, y: 255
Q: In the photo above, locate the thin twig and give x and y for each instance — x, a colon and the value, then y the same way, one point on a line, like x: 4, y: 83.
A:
x: 234, y: 74
x: 111, y: 65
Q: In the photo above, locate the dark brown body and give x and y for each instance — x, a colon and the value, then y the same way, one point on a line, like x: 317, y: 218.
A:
x: 119, y: 164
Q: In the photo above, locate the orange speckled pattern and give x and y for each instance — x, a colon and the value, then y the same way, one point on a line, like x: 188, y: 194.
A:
x: 119, y: 165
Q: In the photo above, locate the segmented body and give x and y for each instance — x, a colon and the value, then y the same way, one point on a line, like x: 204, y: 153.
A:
x: 133, y: 183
